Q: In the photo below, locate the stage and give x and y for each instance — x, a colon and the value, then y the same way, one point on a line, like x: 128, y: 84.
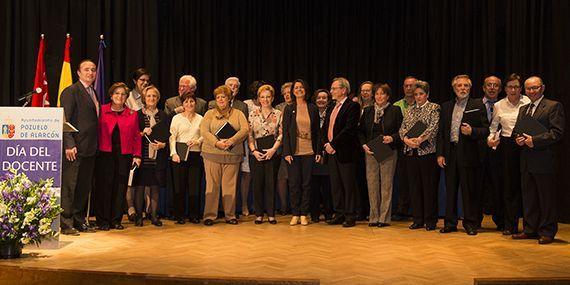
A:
x: 331, y: 254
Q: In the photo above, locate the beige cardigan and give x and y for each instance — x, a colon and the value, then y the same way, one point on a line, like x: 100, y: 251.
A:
x: 210, y: 124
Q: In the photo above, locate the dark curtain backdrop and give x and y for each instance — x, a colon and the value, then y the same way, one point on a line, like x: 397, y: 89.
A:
x: 279, y: 41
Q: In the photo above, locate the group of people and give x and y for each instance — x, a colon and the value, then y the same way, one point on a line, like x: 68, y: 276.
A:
x: 312, y: 150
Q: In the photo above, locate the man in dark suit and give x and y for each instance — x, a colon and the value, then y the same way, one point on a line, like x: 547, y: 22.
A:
x: 339, y: 134
x: 491, y: 181
x: 234, y: 84
x: 81, y: 108
x: 186, y: 85
x: 463, y: 128
x: 538, y: 162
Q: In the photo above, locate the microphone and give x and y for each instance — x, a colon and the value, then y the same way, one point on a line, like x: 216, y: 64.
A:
x: 29, y: 94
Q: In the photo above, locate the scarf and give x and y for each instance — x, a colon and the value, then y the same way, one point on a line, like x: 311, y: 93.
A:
x: 152, y: 121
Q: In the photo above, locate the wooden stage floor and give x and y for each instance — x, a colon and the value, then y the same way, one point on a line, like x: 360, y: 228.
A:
x: 332, y: 254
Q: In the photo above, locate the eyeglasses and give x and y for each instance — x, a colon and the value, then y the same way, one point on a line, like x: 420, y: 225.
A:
x: 512, y: 87
x: 533, y: 88
x: 365, y: 91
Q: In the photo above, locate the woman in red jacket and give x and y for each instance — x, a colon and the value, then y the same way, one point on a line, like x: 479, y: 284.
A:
x: 119, y: 148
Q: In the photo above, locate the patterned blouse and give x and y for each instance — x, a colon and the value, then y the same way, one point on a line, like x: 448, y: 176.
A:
x: 261, y: 126
x: 428, y: 114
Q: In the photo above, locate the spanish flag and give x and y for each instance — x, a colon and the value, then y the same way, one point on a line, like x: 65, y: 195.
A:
x: 65, y: 79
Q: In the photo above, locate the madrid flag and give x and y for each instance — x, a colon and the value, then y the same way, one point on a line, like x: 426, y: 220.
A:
x: 41, y: 98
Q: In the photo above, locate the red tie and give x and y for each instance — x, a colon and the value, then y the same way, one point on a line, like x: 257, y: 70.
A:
x: 332, y: 120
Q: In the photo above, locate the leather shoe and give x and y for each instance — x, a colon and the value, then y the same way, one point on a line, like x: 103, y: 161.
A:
x: 208, y: 222
x: 258, y: 220
x: 415, y: 226
x: 195, y: 220
x: 545, y: 240
x: 471, y: 231
x: 382, y: 225
x: 272, y: 220
x: 84, y: 228
x: 448, y: 229
x: 337, y: 220
x: 508, y: 233
x: 103, y: 227
x: 181, y: 221
x: 525, y: 236
x: 373, y: 224
x: 349, y: 223
x: 70, y: 232
x: 430, y: 227
x: 117, y: 227
x: 232, y: 222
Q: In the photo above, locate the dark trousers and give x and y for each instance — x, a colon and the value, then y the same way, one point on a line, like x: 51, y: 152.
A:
x: 467, y: 178
x: 511, y: 177
x: 187, y: 180
x: 300, y: 184
x: 422, y: 172
x: 343, y: 187
x: 491, y: 185
x: 321, y: 195
x: 263, y: 176
x: 403, y: 207
x: 77, y: 182
x: 539, y: 203
x: 112, y: 177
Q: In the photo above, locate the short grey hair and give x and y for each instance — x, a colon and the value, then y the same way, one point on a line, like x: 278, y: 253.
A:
x: 343, y: 83
x: 422, y: 85
x: 285, y: 86
x: 234, y: 79
x: 190, y: 78
x: 461, y: 76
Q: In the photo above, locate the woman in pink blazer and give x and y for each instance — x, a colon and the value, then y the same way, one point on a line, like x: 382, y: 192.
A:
x: 119, y: 149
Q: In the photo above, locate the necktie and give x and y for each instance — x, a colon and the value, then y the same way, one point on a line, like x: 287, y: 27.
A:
x: 490, y: 114
x: 332, y: 121
x: 530, y: 110
x: 93, y: 98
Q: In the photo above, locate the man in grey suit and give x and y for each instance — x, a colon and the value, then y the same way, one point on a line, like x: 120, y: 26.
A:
x: 186, y: 85
x: 81, y: 108
x: 539, y: 193
x: 234, y: 84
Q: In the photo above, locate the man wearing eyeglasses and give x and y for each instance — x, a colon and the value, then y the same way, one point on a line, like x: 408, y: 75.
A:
x: 342, y: 147
x: 537, y: 163
x: 491, y: 172
x: 463, y: 127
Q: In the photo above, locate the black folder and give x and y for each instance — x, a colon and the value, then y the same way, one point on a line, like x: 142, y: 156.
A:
x: 381, y: 150
x: 417, y: 130
x: 225, y: 132
x: 182, y: 150
x: 266, y: 142
x: 530, y: 126
x: 160, y: 132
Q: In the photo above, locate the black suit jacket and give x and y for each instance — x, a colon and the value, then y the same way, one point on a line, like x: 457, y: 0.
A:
x: 345, y: 132
x: 391, y: 123
x: 541, y: 158
x: 470, y: 149
x: 81, y: 112
x: 290, y: 128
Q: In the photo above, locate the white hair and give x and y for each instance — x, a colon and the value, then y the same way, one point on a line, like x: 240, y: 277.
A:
x: 232, y: 78
x: 189, y: 78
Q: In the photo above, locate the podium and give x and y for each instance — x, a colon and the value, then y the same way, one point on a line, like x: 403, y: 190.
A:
x: 31, y: 142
